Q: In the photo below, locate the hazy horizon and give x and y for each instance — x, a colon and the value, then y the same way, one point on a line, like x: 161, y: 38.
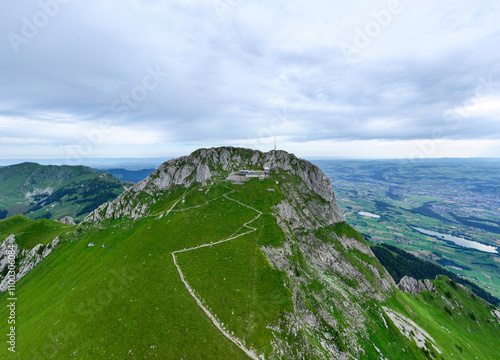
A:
x: 155, y: 162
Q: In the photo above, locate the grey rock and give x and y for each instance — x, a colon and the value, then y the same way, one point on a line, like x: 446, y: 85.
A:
x: 410, y: 285
x: 68, y: 220
x: 8, y: 250
x: 29, y: 258
x: 204, y: 165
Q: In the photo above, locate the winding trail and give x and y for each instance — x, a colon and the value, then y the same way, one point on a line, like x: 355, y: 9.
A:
x: 217, y: 324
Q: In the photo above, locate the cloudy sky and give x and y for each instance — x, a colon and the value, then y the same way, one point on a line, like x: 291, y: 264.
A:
x: 147, y: 78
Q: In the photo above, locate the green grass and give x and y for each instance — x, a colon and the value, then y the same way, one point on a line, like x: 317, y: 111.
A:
x: 236, y: 281
x: 74, y: 292
x: 254, y: 193
x: 477, y: 338
x: 30, y: 233
x: 343, y: 228
x: 54, y: 192
x: 125, y: 292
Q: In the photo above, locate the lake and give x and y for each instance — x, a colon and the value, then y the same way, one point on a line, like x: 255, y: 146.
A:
x: 459, y: 241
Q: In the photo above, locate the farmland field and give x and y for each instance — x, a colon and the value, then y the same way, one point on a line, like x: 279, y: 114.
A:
x: 459, y: 197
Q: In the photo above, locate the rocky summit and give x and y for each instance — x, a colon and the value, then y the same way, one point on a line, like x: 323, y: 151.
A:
x: 214, y: 164
x: 233, y: 253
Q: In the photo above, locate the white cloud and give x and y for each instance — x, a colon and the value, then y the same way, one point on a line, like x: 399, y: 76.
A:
x: 485, y: 107
x: 397, y: 149
x: 422, y: 64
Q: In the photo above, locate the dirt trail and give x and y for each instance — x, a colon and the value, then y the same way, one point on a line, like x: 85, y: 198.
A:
x: 217, y: 324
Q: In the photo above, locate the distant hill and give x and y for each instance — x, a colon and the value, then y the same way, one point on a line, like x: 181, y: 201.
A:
x: 53, y: 192
x: 130, y: 175
x: 30, y: 233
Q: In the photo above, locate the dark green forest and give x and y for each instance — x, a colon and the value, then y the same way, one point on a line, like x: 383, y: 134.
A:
x: 400, y: 263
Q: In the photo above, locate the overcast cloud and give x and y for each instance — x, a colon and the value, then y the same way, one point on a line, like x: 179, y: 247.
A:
x: 125, y: 78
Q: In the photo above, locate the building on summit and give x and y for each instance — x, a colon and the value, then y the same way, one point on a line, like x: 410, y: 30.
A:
x: 253, y: 173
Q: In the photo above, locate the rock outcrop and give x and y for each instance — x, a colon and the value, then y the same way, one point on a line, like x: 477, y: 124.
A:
x: 8, y: 251
x: 410, y: 285
x: 68, y: 220
x: 26, y: 259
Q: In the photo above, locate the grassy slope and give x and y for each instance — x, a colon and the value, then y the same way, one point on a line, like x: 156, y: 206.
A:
x: 30, y: 233
x: 469, y: 332
x: 134, y: 298
x: 235, y: 278
x: 126, y: 300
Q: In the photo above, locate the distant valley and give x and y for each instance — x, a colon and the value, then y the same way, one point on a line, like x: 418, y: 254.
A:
x: 454, y: 197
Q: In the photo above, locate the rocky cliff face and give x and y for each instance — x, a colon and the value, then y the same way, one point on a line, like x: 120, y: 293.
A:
x: 206, y: 165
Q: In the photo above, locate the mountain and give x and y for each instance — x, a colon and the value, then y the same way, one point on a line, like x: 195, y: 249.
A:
x: 53, y: 192
x: 130, y: 175
x: 204, y: 260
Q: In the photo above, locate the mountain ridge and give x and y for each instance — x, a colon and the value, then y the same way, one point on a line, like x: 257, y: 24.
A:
x: 187, y: 263
x: 53, y: 191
